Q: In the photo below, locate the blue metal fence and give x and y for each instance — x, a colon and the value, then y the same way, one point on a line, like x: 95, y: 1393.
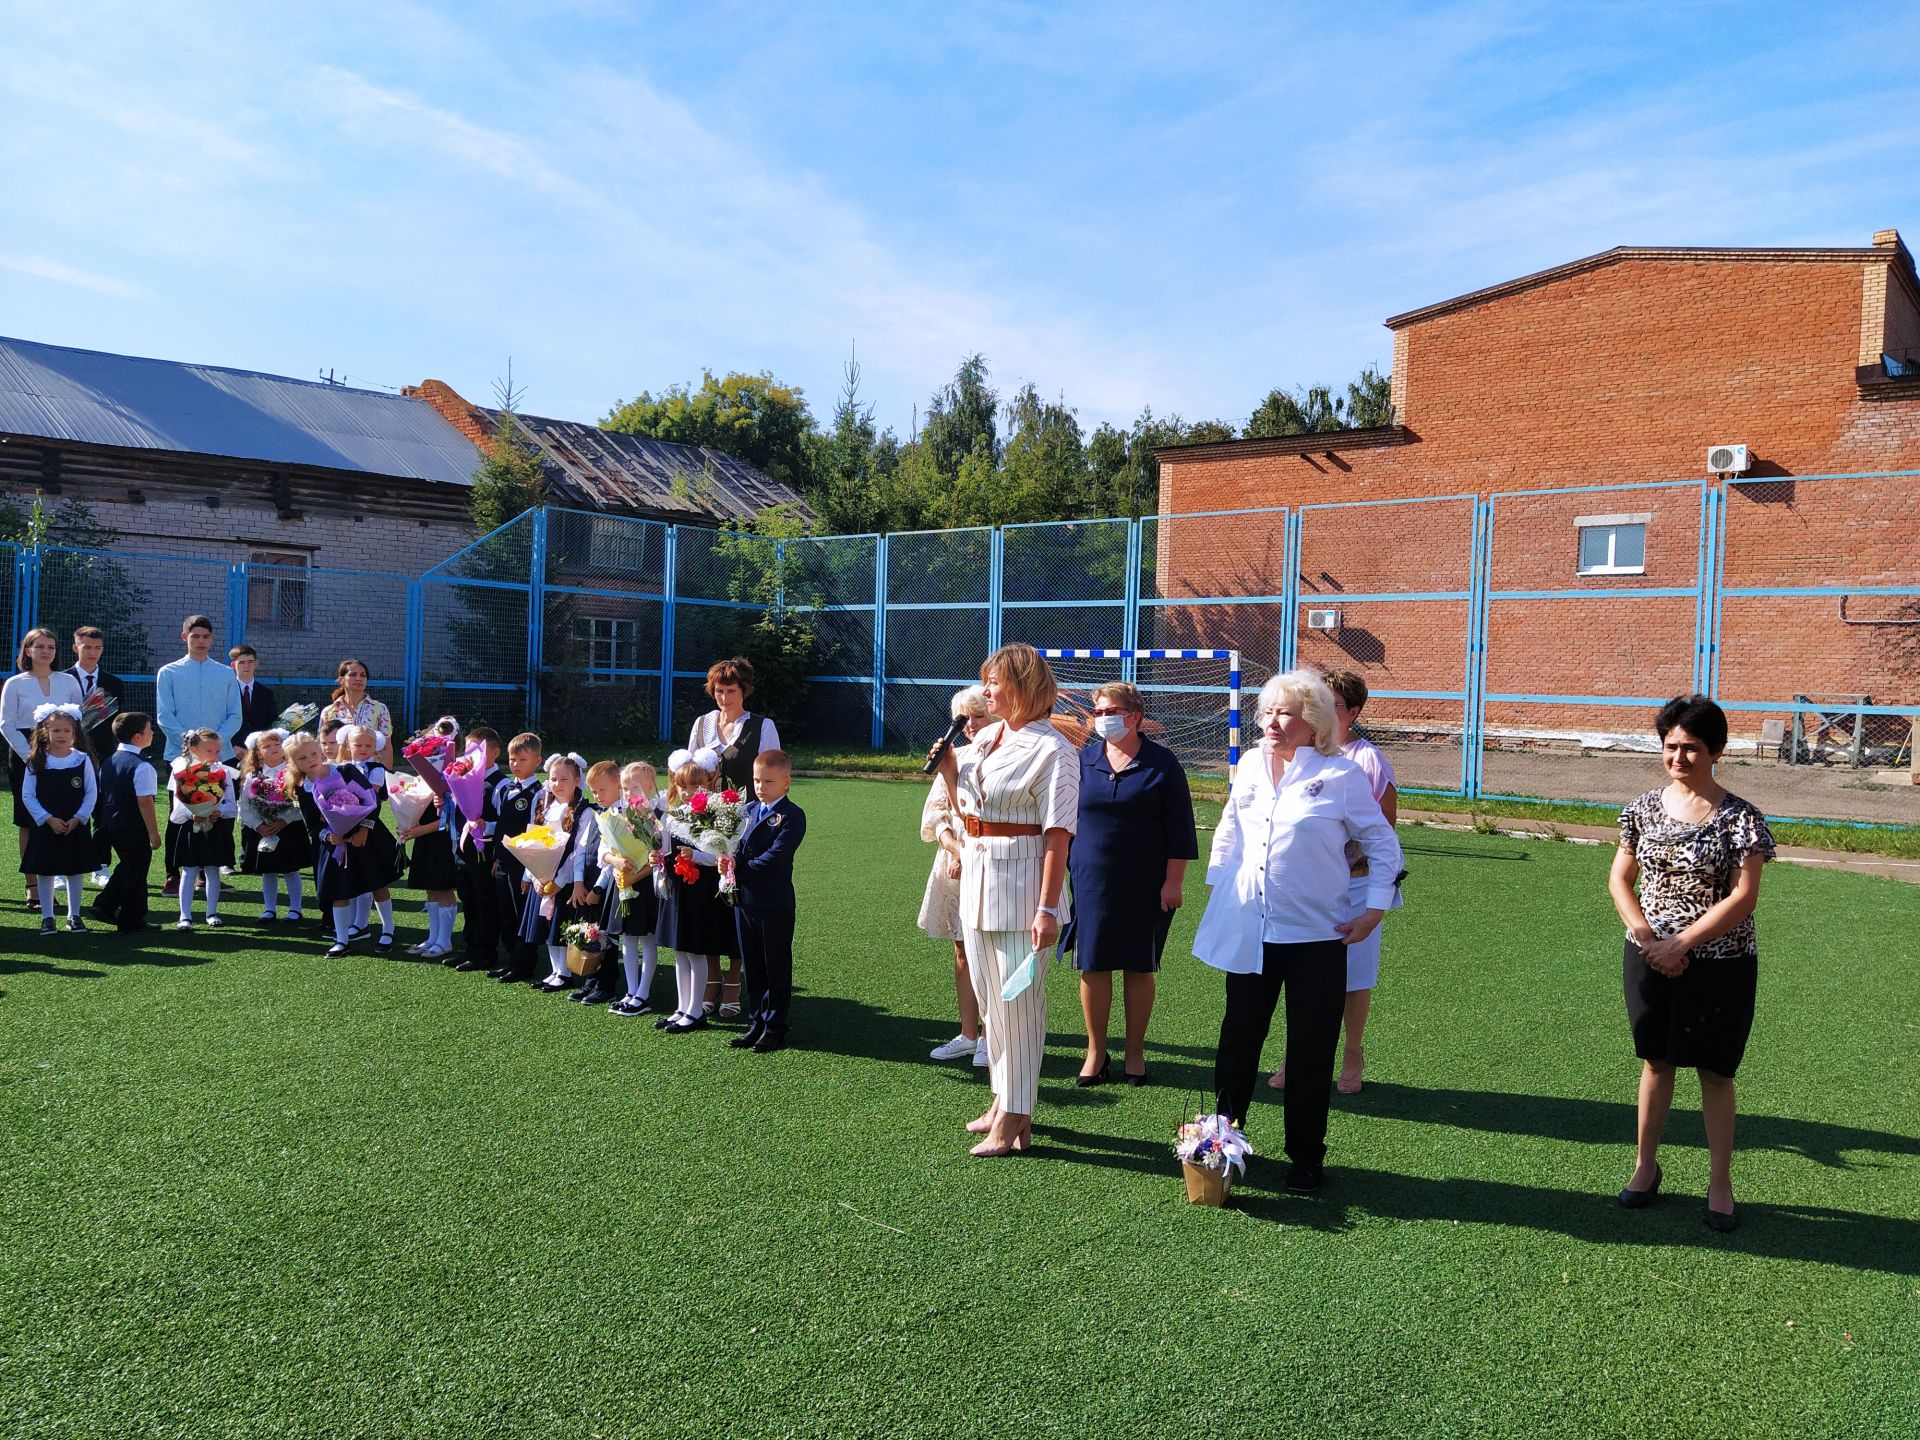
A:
x: 1515, y: 644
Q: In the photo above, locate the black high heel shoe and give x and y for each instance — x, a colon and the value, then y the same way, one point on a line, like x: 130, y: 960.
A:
x: 1640, y: 1199
x: 1098, y: 1077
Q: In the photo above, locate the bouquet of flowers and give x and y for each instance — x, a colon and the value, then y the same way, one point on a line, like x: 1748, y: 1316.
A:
x: 712, y: 821
x: 269, y: 795
x: 540, y: 849
x: 586, y: 943
x: 466, y: 780
x: 346, y: 807
x: 297, y: 717
x: 410, y: 799
x: 98, y: 708
x: 626, y: 845
x: 1211, y: 1149
x: 201, y: 788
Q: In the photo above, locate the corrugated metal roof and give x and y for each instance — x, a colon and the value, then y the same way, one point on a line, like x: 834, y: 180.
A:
x: 606, y: 469
x: 92, y: 398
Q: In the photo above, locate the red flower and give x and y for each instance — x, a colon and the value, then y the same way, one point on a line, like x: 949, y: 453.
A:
x: 698, y: 804
x: 732, y: 797
x: 685, y: 869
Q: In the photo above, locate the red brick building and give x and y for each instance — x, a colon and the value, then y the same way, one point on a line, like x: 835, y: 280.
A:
x: 1620, y: 369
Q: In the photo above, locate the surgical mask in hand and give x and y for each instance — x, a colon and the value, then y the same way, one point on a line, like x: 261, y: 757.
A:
x: 1110, y: 727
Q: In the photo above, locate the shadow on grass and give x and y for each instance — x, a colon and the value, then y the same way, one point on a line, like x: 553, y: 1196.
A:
x: 1787, y: 1232
x: 1522, y: 858
x: 1607, y: 1122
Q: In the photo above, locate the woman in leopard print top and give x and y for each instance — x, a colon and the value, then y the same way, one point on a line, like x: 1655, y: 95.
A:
x: 1692, y: 963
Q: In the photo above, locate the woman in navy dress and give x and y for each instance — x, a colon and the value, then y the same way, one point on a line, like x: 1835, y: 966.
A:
x: 1128, y: 862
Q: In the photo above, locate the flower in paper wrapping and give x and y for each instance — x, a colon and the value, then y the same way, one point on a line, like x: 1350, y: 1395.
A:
x: 540, y: 849
x: 466, y: 780
x: 410, y: 798
x: 98, y: 708
x: 626, y: 845
x: 345, y: 806
x: 1213, y: 1142
x: 715, y: 824
x: 268, y: 795
x: 201, y: 788
x: 297, y: 717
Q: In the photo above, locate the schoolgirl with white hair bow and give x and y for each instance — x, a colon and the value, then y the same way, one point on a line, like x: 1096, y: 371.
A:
x: 566, y: 809
x: 694, y: 922
x: 274, y: 842
x: 59, y: 791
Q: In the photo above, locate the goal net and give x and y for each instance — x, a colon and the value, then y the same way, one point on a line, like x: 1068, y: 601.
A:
x: 1192, y: 697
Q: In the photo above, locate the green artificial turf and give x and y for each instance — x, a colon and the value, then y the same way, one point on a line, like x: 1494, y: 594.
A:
x: 248, y: 1191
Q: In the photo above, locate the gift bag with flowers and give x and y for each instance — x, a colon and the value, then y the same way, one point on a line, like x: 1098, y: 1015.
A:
x: 98, y: 708
x: 1211, y: 1150
x: 540, y: 850
x: 586, y: 946
x: 714, y: 821
x: 267, y: 796
x: 201, y: 788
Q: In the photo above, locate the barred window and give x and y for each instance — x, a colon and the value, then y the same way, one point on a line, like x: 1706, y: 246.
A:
x: 279, y: 595
x: 611, y: 645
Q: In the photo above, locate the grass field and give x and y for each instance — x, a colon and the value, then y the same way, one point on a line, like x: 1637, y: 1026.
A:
x: 247, y: 1191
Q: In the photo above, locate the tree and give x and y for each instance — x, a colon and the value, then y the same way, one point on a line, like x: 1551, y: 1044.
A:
x: 1124, y: 475
x: 960, y: 419
x: 750, y: 417
x: 510, y: 477
x: 82, y: 582
x: 1370, y: 399
x: 1316, y: 410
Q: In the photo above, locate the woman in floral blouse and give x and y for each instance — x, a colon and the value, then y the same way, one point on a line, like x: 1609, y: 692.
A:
x: 1692, y: 964
x: 351, y: 705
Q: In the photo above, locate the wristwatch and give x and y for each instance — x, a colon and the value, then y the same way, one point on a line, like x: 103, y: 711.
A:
x: 1052, y: 910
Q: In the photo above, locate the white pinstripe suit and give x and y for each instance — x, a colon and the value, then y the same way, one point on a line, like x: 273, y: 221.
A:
x: 1028, y: 776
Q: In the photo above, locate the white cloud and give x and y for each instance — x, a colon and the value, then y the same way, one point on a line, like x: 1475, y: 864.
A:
x: 41, y: 268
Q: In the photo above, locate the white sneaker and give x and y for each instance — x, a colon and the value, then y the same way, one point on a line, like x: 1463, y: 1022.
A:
x: 980, y: 1054
x: 953, y: 1049
x: 100, y: 878
x: 215, y: 921
x: 183, y: 924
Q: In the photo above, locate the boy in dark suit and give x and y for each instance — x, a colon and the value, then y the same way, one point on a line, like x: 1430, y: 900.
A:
x: 513, y: 802
x: 89, y: 644
x: 472, y: 853
x: 128, y: 822
x: 763, y: 869
x: 259, y: 709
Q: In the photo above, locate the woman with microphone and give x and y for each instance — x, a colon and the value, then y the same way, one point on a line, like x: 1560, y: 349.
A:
x: 1017, y: 795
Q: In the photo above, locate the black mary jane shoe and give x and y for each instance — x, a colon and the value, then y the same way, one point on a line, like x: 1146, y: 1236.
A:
x: 385, y: 942
x: 1098, y: 1077
x: 1721, y: 1224
x: 687, y: 1027
x: 1641, y: 1199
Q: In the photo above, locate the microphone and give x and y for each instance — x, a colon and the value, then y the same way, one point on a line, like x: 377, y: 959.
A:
x: 944, y: 744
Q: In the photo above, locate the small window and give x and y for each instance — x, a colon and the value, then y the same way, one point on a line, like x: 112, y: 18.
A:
x: 278, y: 592
x: 1612, y: 544
x: 617, y: 544
x: 612, y: 645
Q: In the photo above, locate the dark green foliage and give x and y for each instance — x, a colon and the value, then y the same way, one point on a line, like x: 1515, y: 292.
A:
x: 752, y: 417
x: 509, y: 478
x: 1316, y: 410
x: 80, y: 588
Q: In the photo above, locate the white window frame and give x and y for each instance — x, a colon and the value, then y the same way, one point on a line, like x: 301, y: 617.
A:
x: 281, y: 595
x: 616, y: 544
x: 1613, y: 524
x: 605, y: 636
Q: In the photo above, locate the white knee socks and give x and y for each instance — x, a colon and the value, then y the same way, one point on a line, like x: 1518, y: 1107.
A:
x: 295, y: 888
x: 359, y: 907
x: 212, y: 876
x: 189, y: 882
x: 440, y: 926
x: 269, y: 894
x: 557, y: 958
x: 45, y: 886
x: 342, y: 922
x: 690, y: 978
x: 385, y: 907
x: 639, y: 970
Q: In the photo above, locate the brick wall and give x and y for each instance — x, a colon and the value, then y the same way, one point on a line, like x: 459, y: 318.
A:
x: 1621, y: 372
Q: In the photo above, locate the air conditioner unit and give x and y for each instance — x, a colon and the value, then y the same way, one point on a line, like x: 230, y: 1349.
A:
x: 1323, y: 619
x: 1727, y: 460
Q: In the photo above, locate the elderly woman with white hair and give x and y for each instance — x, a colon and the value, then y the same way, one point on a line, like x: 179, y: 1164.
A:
x: 1280, y: 916
x: 940, y: 905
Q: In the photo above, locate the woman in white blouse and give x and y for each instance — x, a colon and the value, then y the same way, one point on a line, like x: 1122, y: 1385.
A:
x: 1280, y: 916
x: 940, y: 905
x: 730, y: 728
x: 37, y: 683
x: 1016, y: 789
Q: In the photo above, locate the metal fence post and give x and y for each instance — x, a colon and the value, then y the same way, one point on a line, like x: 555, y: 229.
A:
x: 1130, y: 617
x: 668, y: 589
x: 237, y: 585
x: 996, y: 566
x: 880, y: 642
x: 1718, y: 590
x: 1473, y: 686
x: 26, y: 588
x: 536, y: 615
x: 1291, y: 527
x: 415, y: 647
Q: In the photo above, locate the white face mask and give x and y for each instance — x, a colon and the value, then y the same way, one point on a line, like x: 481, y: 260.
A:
x: 1110, y: 727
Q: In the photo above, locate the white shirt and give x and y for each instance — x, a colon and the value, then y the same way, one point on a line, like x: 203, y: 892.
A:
x: 145, y: 781
x: 30, y: 796
x: 586, y: 836
x: 22, y: 695
x: 1028, y: 776
x: 708, y: 731
x: 1278, y: 867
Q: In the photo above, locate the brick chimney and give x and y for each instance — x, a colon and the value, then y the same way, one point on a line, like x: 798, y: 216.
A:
x: 465, y: 418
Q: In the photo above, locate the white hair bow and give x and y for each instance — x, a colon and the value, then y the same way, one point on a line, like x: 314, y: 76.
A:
x: 578, y: 763
x: 708, y: 759
x: 66, y: 708
x: 257, y: 736
x: 677, y: 759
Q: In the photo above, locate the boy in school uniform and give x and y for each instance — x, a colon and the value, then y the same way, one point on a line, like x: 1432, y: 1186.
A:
x: 128, y: 821
x: 89, y: 644
x: 764, y: 914
x: 479, y: 895
x: 259, y: 710
x: 514, y: 799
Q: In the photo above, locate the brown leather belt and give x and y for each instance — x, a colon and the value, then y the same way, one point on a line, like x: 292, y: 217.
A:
x: 977, y: 827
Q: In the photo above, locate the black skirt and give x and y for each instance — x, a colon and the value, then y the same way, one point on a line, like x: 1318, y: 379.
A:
x: 17, y: 782
x: 638, y: 916
x: 1699, y: 1019
x: 73, y: 853
x: 693, y: 919
x: 291, y: 851
x: 367, y: 868
x: 432, y: 866
x: 188, y: 846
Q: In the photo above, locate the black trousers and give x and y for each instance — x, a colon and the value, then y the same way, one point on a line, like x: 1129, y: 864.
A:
x: 526, y: 958
x: 1314, y: 976
x: 124, y: 898
x: 766, y: 957
x: 479, y: 896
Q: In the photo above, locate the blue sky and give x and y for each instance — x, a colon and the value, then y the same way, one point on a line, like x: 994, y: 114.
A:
x: 1176, y: 205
